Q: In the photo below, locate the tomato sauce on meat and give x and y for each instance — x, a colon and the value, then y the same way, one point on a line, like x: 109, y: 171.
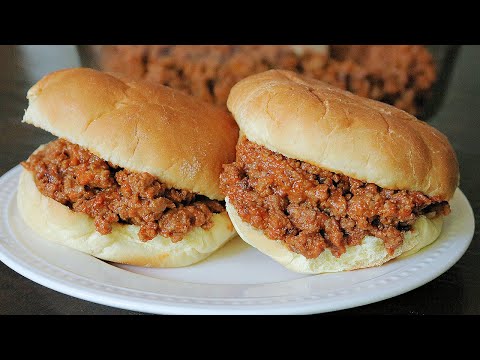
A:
x: 85, y: 183
x: 312, y: 209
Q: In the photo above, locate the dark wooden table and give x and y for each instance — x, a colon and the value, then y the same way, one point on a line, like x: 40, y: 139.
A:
x: 455, y: 292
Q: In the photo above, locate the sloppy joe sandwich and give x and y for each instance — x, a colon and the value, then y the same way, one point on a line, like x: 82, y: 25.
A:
x: 327, y: 181
x: 134, y: 174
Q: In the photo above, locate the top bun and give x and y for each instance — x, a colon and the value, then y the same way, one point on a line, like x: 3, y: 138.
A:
x: 336, y: 130
x: 137, y: 125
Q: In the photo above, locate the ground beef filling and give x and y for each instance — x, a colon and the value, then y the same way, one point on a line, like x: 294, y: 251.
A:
x: 312, y: 209
x: 85, y: 183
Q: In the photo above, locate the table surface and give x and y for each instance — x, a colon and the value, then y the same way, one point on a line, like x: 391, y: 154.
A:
x: 455, y: 292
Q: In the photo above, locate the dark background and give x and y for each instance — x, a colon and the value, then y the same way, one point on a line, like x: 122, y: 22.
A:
x: 455, y: 292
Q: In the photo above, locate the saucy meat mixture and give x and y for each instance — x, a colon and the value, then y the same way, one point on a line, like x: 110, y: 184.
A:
x: 85, y: 183
x: 312, y: 209
x: 400, y: 75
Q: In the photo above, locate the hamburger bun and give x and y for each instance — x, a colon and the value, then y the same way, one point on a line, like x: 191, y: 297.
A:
x: 57, y: 223
x: 141, y: 127
x: 335, y: 130
x: 314, y: 122
x: 137, y: 125
x: 370, y: 253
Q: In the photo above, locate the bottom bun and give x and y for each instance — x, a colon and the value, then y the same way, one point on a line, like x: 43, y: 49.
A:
x: 370, y: 253
x: 57, y: 223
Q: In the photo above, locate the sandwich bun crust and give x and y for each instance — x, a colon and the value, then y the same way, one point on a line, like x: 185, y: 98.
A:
x: 370, y: 253
x: 314, y: 122
x: 57, y: 223
x: 137, y: 125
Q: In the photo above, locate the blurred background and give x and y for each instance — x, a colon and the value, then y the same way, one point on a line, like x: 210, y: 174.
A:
x: 410, y: 77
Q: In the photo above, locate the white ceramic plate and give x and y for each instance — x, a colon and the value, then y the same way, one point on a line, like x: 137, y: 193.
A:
x: 235, y: 280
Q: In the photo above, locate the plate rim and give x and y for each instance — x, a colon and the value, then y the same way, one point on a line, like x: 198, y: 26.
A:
x: 215, y: 306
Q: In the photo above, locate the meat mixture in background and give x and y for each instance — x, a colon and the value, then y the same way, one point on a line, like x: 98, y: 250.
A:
x: 312, y: 209
x: 75, y: 177
x: 400, y: 75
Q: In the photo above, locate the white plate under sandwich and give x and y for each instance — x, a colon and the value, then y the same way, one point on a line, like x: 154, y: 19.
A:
x: 235, y: 280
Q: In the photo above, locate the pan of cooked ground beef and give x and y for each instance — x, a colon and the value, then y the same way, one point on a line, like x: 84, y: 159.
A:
x: 400, y: 75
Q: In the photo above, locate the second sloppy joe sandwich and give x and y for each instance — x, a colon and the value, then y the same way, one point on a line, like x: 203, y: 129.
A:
x: 327, y: 181
x: 134, y: 175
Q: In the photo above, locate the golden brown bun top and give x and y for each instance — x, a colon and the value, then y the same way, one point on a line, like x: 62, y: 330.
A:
x: 336, y: 130
x: 137, y: 125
